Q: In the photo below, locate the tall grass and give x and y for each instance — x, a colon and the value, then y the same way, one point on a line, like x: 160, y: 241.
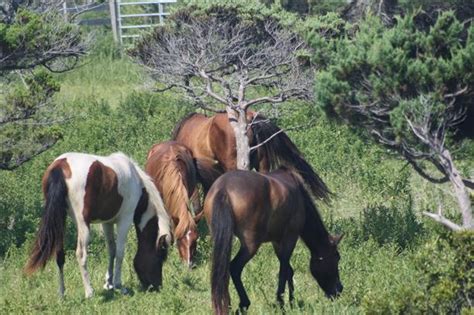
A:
x: 106, y: 74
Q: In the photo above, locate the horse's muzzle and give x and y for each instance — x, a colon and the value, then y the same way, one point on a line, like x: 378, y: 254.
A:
x: 336, y: 292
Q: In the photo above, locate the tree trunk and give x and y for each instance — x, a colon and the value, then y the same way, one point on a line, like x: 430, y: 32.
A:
x: 238, y: 122
x: 462, y: 195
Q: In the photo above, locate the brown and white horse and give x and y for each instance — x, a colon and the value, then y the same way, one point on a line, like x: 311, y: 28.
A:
x: 173, y: 169
x: 98, y: 189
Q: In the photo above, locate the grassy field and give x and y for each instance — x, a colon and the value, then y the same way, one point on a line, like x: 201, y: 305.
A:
x: 393, y: 261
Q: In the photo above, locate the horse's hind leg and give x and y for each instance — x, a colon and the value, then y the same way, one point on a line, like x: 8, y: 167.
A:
x: 236, y: 266
x: 81, y: 255
x: 108, y: 229
x: 122, y: 230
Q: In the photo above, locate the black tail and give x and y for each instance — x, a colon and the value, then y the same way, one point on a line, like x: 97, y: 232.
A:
x: 50, y: 237
x: 208, y: 171
x: 222, y: 228
x: 277, y: 149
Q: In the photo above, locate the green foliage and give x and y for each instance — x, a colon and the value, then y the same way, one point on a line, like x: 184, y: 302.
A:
x: 32, y: 38
x: 445, y: 280
x: 29, y: 118
x: 450, y: 276
x: 396, y: 224
x: 250, y: 10
x: 379, y: 73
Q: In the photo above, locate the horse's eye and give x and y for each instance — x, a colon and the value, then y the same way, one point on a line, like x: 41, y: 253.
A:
x: 320, y: 258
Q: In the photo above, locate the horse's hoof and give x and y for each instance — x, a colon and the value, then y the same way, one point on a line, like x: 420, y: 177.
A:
x: 124, y: 291
x: 108, y: 286
x: 89, y: 294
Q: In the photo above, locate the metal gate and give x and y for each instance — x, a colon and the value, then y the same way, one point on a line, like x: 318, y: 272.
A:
x: 130, y: 16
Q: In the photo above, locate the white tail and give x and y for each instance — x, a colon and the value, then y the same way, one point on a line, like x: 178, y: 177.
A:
x: 164, y: 221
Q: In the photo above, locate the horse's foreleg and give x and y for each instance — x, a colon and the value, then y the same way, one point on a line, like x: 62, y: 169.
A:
x: 108, y: 229
x: 291, y: 286
x: 282, y: 278
x: 284, y: 250
x: 122, y: 231
x: 81, y: 255
x: 236, y: 266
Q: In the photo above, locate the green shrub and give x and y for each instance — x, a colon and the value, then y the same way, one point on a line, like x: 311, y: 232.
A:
x: 390, y: 224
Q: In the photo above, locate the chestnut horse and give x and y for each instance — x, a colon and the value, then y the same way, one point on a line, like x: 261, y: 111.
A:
x: 258, y: 208
x: 172, y: 167
x: 111, y: 190
x: 212, y: 142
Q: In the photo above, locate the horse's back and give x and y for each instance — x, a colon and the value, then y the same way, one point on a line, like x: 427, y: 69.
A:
x: 100, y: 187
x: 264, y: 205
x: 191, y: 130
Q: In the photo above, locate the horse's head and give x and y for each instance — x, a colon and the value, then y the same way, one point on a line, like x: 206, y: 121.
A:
x: 324, y: 267
x: 187, y: 246
x: 148, y: 261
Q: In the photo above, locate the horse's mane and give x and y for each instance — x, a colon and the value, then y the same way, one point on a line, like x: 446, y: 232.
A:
x: 278, y: 149
x: 313, y: 222
x: 180, y: 125
x: 177, y: 183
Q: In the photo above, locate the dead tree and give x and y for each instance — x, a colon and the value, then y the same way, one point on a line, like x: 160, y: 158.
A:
x: 219, y: 58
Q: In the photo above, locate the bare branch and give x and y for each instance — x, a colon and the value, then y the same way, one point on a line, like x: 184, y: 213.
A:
x: 443, y: 220
x: 10, y: 164
x: 226, y: 59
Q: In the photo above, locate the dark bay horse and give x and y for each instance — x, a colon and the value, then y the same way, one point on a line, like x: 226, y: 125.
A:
x: 212, y: 142
x: 172, y: 167
x: 258, y: 208
x: 111, y: 190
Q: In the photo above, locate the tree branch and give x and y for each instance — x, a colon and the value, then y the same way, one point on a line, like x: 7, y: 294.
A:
x: 443, y: 220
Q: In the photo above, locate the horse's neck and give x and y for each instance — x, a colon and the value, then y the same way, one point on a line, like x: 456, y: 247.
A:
x: 314, y: 233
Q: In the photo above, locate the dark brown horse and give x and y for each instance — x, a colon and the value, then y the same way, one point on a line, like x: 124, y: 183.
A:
x: 212, y: 142
x: 260, y: 208
x: 172, y: 167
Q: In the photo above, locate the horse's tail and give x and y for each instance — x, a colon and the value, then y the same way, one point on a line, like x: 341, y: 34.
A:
x: 208, y: 170
x: 164, y: 221
x: 50, y: 238
x: 276, y: 148
x: 222, y: 229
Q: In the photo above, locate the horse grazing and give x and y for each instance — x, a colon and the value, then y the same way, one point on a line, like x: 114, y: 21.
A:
x: 212, y: 142
x: 172, y: 167
x: 260, y: 208
x: 108, y: 190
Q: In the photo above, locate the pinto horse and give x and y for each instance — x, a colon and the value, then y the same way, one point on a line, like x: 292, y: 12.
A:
x: 212, y: 142
x: 258, y: 208
x: 172, y: 167
x: 111, y: 190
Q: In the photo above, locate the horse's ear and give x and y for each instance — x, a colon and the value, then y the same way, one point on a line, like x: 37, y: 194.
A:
x: 335, y: 239
x: 198, y: 217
